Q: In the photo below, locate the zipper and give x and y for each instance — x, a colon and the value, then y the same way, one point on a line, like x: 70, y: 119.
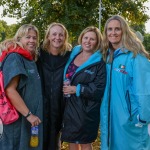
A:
x: 109, y: 100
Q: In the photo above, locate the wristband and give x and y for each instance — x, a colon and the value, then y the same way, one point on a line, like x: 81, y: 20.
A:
x: 29, y: 113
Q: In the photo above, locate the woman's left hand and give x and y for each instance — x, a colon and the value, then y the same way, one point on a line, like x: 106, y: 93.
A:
x: 67, y: 89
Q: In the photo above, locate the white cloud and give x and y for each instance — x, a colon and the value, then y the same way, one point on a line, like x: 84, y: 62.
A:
x: 148, y: 12
x: 7, y: 19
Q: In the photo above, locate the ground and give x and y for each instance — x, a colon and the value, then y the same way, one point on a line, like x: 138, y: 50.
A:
x: 96, y: 144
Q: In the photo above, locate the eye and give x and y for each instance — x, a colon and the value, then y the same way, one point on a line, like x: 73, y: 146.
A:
x: 28, y: 37
x: 109, y: 29
x: 92, y: 39
x: 85, y: 37
x: 35, y: 38
x: 54, y: 34
x: 118, y: 29
x: 61, y: 35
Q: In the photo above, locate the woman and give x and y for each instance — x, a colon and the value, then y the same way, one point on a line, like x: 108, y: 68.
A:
x: 23, y: 88
x: 125, y: 109
x: 54, y: 53
x: 86, y: 71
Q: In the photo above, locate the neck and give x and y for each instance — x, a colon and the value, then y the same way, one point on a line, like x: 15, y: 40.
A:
x: 53, y: 51
x: 116, y: 46
x: 86, y: 55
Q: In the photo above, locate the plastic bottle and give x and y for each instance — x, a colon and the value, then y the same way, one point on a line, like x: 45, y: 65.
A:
x: 67, y: 82
x: 34, y: 140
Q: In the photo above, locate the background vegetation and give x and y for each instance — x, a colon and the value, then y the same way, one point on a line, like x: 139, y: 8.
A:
x: 74, y: 14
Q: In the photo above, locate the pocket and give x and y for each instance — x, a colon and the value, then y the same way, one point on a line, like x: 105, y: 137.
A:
x: 128, y: 104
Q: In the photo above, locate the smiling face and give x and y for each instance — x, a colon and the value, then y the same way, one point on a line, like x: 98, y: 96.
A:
x: 114, y: 33
x: 29, y: 41
x: 89, y: 41
x: 56, y: 37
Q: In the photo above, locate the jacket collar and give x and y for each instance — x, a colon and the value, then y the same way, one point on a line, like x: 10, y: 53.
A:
x: 121, y: 50
x: 19, y: 50
x: 94, y: 58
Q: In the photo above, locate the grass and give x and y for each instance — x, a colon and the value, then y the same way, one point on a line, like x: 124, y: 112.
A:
x: 96, y: 144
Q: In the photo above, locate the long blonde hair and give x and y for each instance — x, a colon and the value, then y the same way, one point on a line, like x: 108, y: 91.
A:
x: 46, y: 43
x: 9, y: 44
x: 129, y: 39
x: 23, y: 30
x: 98, y: 35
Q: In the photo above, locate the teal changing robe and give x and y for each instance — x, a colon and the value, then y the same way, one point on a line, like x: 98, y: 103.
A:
x: 127, y: 97
x: 16, y: 136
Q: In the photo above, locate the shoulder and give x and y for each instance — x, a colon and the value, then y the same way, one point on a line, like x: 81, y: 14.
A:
x: 42, y: 53
x: 77, y: 48
x: 67, y: 54
x: 13, y: 57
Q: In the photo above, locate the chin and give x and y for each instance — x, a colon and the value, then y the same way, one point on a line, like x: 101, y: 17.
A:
x: 32, y: 51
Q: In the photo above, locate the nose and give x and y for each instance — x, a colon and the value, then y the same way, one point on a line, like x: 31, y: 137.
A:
x: 88, y: 40
x: 57, y: 36
x: 113, y: 31
x: 32, y: 39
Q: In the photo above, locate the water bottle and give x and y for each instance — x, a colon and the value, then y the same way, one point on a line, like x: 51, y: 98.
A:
x: 67, y: 82
x: 34, y: 140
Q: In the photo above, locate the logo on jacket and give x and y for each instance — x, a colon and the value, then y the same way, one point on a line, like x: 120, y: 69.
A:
x: 88, y: 71
x: 31, y: 71
x: 121, y: 69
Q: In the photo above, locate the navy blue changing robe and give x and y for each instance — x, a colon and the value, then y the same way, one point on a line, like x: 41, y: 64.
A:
x: 16, y: 136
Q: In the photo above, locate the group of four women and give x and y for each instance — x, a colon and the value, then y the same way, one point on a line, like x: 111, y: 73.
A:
x: 108, y: 77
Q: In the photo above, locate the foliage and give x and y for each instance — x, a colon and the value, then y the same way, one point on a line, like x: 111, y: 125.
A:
x: 6, y: 31
x: 146, y: 42
x: 74, y: 14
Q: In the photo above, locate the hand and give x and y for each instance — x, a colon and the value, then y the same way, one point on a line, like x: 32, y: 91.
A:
x: 149, y: 129
x: 34, y: 120
x: 138, y: 124
x: 69, y: 89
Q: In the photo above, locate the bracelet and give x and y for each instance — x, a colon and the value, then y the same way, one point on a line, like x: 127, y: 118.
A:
x: 29, y: 113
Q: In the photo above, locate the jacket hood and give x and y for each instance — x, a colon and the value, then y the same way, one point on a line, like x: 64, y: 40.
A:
x: 94, y: 58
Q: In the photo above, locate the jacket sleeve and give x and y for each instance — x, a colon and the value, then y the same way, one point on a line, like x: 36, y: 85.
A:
x: 14, y: 66
x: 141, y: 87
x: 95, y: 89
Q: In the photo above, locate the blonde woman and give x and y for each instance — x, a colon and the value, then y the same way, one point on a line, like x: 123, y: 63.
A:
x: 86, y: 71
x: 54, y: 53
x: 23, y: 87
x: 125, y: 110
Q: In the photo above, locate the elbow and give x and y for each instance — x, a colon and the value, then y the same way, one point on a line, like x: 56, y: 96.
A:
x: 9, y: 92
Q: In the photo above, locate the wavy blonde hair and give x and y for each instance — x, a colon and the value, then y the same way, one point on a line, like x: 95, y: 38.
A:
x: 7, y: 44
x: 22, y: 31
x: 98, y: 35
x: 46, y: 43
x: 129, y: 39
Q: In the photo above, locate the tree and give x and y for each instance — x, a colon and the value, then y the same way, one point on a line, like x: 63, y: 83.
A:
x: 146, y: 42
x: 6, y: 31
x: 74, y: 14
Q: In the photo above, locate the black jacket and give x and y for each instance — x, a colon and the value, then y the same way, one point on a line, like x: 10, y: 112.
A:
x: 51, y: 70
x: 82, y: 110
